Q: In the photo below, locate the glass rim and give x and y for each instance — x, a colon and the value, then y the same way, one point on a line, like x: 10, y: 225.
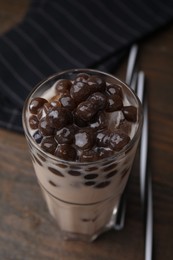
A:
x: 83, y: 70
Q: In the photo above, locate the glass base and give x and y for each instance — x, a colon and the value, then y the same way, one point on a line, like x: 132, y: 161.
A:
x: 70, y: 236
x: 84, y: 222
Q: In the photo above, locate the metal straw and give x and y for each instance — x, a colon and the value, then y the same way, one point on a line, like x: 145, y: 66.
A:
x: 145, y: 177
x: 149, y: 223
x: 131, y: 80
x: 144, y: 138
x: 131, y: 63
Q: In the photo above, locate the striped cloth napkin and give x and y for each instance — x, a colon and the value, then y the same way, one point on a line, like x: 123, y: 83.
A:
x: 57, y: 35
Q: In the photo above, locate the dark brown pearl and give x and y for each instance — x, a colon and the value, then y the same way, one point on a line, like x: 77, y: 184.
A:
x: 48, y: 144
x: 33, y: 122
x: 130, y: 113
x: 66, y: 152
x: 36, y: 104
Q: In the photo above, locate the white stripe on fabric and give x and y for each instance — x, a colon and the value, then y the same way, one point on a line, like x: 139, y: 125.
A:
x: 36, y: 47
x: 15, y: 48
x: 54, y: 43
x: 11, y: 93
x: 116, y: 19
x: 133, y: 16
x: 82, y: 28
x: 98, y: 23
x: 14, y: 73
x: 69, y: 36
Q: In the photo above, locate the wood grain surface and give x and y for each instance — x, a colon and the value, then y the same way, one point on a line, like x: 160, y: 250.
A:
x: 26, y: 229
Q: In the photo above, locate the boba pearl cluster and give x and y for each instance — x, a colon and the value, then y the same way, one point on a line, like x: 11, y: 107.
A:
x: 73, y: 124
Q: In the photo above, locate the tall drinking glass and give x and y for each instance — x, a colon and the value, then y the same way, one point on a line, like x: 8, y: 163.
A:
x: 83, y: 196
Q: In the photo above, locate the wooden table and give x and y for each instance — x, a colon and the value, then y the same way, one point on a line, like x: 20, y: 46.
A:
x: 26, y: 229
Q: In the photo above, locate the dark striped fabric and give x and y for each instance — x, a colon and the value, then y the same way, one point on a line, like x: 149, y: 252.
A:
x: 57, y: 35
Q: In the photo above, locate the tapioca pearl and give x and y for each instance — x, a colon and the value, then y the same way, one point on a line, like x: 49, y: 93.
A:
x: 85, y: 111
x: 124, y: 126
x: 104, y: 152
x: 84, y: 138
x: 61, y: 165
x: 55, y: 172
x: 114, y: 103
x: 48, y: 144
x: 36, y: 104
x: 52, y: 183
x: 33, y: 122
x: 89, y: 183
x: 118, y: 140
x: 114, y: 90
x: 45, y: 128
x: 99, y: 100
x: 79, y: 122
x: 63, y: 86
x: 111, y: 174
x: 65, y: 135
x: 103, y: 138
x: 66, y: 152
x: 74, y: 173
x: 91, y: 176
x: 37, y: 160
x: 43, y: 110
x: 41, y: 157
x: 67, y: 101
x: 38, y: 137
x: 102, y: 184
x: 109, y: 167
x: 80, y: 91
x: 82, y: 77
x: 130, y: 113
x: 59, y: 117
x: 99, y: 121
x: 88, y: 156
x: 55, y: 103
x: 47, y: 106
x: 97, y: 83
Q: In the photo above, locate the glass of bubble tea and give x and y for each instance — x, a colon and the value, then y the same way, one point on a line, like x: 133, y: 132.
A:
x: 82, y: 127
